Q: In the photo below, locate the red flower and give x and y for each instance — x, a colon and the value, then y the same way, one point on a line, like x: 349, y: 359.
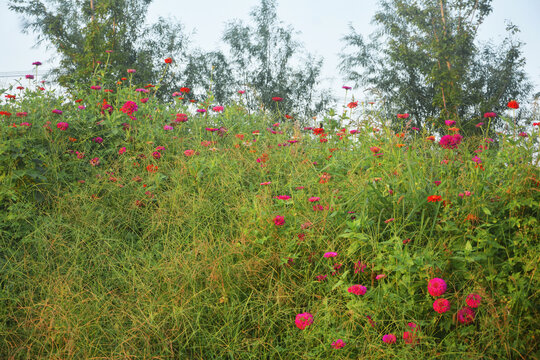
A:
x: 168, y: 60
x: 277, y: 99
x: 434, y: 198
x: 513, y: 104
x: 402, y: 116
x: 185, y: 90
x: 352, y: 105
x: 318, y: 131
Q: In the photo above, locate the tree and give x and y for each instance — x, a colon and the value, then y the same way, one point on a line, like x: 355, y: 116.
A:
x: 262, y: 58
x: 425, y: 60
x: 82, y: 32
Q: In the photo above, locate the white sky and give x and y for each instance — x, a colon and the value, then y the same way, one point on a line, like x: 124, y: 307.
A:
x: 320, y: 24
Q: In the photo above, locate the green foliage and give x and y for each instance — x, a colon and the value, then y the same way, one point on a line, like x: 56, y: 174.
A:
x: 425, y: 58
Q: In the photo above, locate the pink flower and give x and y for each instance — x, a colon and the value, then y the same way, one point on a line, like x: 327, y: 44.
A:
x: 303, y: 320
x: 314, y: 199
x: 357, y: 289
x: 338, y: 344
x: 94, y: 161
x: 465, y: 315
x: 63, y: 126
x: 449, y: 122
x: 490, y: 115
x: 320, y: 278
x: 450, y: 141
x: 380, y: 276
x: 56, y: 111
x: 129, y: 107
x: 144, y: 100
x: 241, y: 92
x: 389, y: 338
x: 437, y: 182
x: 277, y: 98
x: 330, y: 254
x: 436, y: 287
x: 122, y: 150
x: 283, y: 197
x: 266, y: 183
x: 279, y: 220
x: 131, y: 71
x: 441, y: 306
x: 189, y: 152
x: 156, y: 155
x: 389, y: 220
x: 473, y: 300
x: 218, y: 108
x: 167, y: 127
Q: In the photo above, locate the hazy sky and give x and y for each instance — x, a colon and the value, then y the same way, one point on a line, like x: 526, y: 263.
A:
x: 320, y: 26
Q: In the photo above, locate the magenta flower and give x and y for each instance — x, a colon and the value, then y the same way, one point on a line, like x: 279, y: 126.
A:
x: 320, y: 278
x: 346, y: 87
x: 338, y: 344
x: 266, y: 183
x: 189, y: 152
x: 131, y: 71
x: 56, y: 111
x: 380, y: 276
x: 62, y: 126
x: 473, y: 300
x: 167, y: 127
x: 201, y: 110
x: 144, y: 100
x: 314, y: 199
x: 122, y: 150
x: 303, y: 320
x: 389, y: 338
x: 241, y: 92
x: 277, y: 99
x: 129, y: 107
x: 490, y: 115
x: 156, y: 155
x: 29, y: 77
x: 279, y: 220
x: 450, y: 141
x: 441, y: 305
x: 449, y: 122
x: 36, y: 63
x: 283, y: 197
x: 357, y: 289
x: 97, y: 140
x: 465, y: 315
x: 330, y: 254
x: 436, y: 287
x: 218, y: 108
x: 479, y: 124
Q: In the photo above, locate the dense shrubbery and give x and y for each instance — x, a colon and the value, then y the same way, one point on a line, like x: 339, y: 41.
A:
x: 130, y: 230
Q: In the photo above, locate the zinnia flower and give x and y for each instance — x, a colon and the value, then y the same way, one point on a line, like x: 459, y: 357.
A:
x: 357, y: 289
x: 465, y: 315
x: 513, y: 104
x: 402, y: 116
x: 168, y: 60
x: 441, y: 305
x: 36, y: 63
x: 352, y: 104
x: 314, y: 199
x: 167, y: 127
x: 490, y: 115
x: 389, y: 338
x: 218, y: 108
x: 330, y: 254
x: 473, y: 300
x: 338, y: 344
x: 434, y: 198
x: 346, y: 87
x: 62, y: 126
x: 303, y: 320
x: 122, y: 150
x: 277, y: 99
x: 129, y: 107
x: 279, y: 220
x: 189, y: 152
x: 449, y: 122
x: 450, y: 141
x: 436, y: 287
x: 56, y: 111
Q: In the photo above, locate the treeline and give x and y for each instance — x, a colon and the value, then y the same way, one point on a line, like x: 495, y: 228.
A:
x: 423, y: 59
